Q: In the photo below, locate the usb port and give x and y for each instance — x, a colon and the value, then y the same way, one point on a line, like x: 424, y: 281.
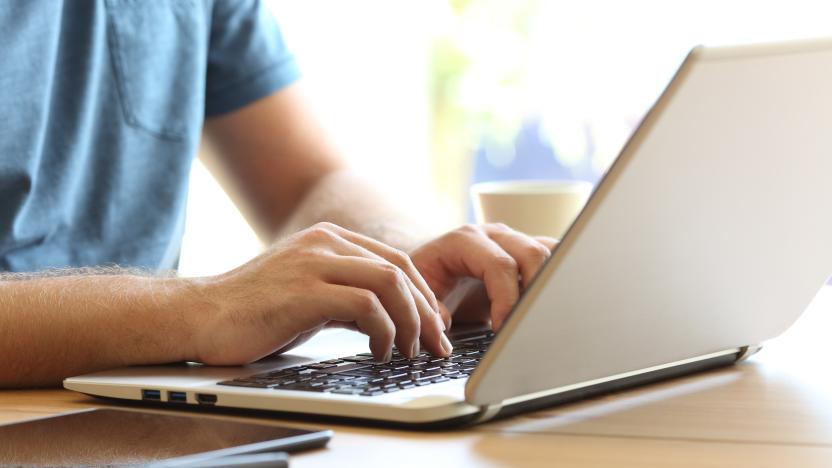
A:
x: 151, y: 395
x: 177, y: 397
x: 206, y: 399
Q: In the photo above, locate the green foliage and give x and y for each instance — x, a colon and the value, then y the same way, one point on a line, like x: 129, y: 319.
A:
x: 477, y: 80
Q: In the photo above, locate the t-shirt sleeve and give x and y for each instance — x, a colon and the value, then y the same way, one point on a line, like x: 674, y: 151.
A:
x: 247, y: 56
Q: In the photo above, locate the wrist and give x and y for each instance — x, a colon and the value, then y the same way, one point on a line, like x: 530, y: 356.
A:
x: 172, y: 312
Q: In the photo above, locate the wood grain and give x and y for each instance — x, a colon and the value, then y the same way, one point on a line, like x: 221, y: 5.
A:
x: 773, y: 411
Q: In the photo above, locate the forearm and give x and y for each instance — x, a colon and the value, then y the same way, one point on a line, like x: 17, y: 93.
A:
x: 348, y: 200
x: 55, y: 327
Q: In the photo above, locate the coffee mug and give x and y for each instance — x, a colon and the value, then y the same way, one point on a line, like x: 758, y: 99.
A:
x: 535, y: 207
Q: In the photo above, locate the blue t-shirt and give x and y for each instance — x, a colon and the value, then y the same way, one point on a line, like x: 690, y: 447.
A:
x: 101, y: 108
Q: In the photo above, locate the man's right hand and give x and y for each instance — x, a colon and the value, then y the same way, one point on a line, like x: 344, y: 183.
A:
x: 320, y: 276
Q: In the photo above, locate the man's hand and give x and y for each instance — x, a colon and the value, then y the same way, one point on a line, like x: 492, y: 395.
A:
x: 327, y: 275
x: 504, y: 260
x: 272, y: 154
x: 319, y: 276
x: 56, y: 326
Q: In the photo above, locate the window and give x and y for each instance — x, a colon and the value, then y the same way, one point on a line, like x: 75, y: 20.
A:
x: 428, y: 95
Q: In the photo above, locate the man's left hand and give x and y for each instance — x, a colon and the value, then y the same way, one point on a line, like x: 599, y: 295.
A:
x: 504, y: 260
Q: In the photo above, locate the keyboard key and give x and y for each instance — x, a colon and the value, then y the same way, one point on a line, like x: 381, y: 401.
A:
x: 346, y: 368
x: 425, y: 376
x: 395, y: 375
x: 462, y: 360
x: 398, y: 365
x: 402, y: 378
x: 285, y: 382
x: 472, y: 337
x: 358, y: 358
x: 361, y: 374
x: 321, y: 365
x: 368, y: 373
x: 279, y: 374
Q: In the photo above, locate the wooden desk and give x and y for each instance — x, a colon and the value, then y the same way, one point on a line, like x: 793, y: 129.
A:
x: 774, y: 411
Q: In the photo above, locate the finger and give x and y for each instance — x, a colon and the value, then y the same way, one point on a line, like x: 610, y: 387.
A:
x: 431, y: 320
x: 392, y: 255
x: 529, y: 254
x: 549, y: 242
x: 473, y: 305
x: 351, y: 326
x: 362, y: 307
x: 430, y: 325
x: 389, y: 284
x: 447, y: 319
x: 471, y: 253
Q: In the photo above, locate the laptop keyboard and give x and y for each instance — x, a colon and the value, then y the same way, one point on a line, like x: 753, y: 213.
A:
x: 362, y: 375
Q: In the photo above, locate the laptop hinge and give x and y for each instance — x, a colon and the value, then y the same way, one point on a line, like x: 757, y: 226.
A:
x: 487, y: 412
x: 748, y: 351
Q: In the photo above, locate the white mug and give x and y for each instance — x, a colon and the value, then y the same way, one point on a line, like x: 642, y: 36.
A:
x: 535, y: 207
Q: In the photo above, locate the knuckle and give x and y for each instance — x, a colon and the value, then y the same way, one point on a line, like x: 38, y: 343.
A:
x: 470, y: 229
x: 505, y: 263
x: 465, y: 233
x: 367, y: 302
x: 391, y: 275
x: 537, y: 251
x: 401, y: 258
x: 326, y: 225
x: 500, y: 227
x: 319, y: 233
x: 315, y: 232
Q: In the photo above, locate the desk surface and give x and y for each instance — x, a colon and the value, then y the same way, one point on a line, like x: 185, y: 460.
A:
x: 774, y: 411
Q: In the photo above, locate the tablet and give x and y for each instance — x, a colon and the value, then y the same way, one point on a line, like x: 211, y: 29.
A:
x: 122, y: 437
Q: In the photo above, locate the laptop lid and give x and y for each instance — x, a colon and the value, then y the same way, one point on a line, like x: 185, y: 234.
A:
x: 712, y: 230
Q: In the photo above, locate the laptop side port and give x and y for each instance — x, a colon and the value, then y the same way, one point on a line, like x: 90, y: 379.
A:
x: 177, y: 397
x: 154, y: 395
x: 206, y: 399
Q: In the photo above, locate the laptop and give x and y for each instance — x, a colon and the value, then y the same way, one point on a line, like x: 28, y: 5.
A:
x: 709, y: 235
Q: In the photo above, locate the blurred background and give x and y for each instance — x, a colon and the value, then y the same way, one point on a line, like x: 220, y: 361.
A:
x: 427, y: 96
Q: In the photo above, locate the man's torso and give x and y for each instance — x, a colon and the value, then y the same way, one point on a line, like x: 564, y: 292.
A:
x: 101, y: 107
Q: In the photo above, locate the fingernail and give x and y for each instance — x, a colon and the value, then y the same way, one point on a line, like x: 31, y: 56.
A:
x: 446, y: 343
x: 415, y: 350
x: 389, y: 355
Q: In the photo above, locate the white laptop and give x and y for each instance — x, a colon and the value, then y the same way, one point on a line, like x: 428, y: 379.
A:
x: 710, y: 234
